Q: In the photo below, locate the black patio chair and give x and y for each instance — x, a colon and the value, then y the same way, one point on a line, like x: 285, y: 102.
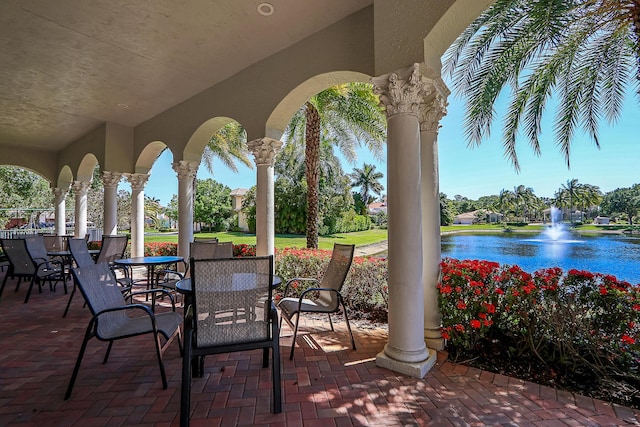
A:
x: 198, y: 249
x: 24, y: 265
x: 325, y: 298
x: 81, y: 258
x: 113, y: 319
x: 231, y: 310
x: 111, y: 249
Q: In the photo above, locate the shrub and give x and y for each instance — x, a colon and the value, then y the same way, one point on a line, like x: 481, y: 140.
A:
x: 579, y: 323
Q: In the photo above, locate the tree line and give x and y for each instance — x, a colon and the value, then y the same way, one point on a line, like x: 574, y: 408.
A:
x: 578, y: 202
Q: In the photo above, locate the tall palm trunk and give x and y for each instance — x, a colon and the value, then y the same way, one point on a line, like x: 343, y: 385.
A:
x: 312, y: 169
x: 635, y: 15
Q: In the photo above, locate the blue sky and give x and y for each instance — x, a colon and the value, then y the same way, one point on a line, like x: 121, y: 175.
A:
x: 483, y: 170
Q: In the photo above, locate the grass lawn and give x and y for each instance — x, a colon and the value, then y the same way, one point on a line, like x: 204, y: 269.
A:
x: 359, y: 238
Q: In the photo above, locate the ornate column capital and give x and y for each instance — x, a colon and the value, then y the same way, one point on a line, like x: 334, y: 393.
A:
x: 137, y: 180
x: 434, y: 104
x: 80, y: 187
x: 264, y: 150
x: 185, y: 169
x: 400, y: 91
x: 111, y: 179
x: 60, y: 193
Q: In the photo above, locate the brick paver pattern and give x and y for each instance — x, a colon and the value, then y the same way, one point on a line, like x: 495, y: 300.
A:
x: 327, y: 384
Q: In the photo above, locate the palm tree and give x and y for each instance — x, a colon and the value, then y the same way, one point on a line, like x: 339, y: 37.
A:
x: 346, y: 116
x: 584, y: 52
x: 367, y: 179
x: 524, y: 199
x: 227, y: 145
x: 570, y: 191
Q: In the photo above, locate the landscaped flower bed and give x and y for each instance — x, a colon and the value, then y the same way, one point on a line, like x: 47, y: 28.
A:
x: 578, y: 330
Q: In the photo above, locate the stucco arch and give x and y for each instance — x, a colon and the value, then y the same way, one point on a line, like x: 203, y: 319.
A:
x: 287, y: 107
x: 65, y: 177
x: 200, y: 138
x: 447, y: 29
x: 86, y: 167
x: 148, y: 156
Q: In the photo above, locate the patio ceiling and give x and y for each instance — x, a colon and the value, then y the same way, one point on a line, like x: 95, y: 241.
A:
x: 69, y: 66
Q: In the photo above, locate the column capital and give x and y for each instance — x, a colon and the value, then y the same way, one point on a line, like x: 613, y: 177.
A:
x: 400, y: 91
x: 434, y: 104
x: 185, y: 169
x: 264, y: 150
x: 137, y: 180
x: 80, y: 187
x: 60, y: 193
x: 111, y: 179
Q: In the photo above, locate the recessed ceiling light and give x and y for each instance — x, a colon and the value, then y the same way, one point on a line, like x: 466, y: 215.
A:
x: 123, y: 106
x: 265, y: 9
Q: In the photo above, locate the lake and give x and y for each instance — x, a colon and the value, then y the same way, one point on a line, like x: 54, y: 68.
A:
x: 614, y: 254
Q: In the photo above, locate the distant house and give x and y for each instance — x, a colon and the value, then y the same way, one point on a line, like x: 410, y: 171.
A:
x: 473, y: 217
x: 601, y: 220
x: 377, y: 207
x: 237, y: 196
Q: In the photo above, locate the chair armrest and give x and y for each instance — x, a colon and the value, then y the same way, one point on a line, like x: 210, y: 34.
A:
x: 316, y: 290
x: 155, y: 291
x: 142, y: 307
x: 165, y: 272
x: 296, y: 279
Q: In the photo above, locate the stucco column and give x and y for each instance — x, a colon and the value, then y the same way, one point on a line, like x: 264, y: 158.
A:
x: 110, y: 181
x: 187, y: 172
x: 60, y: 197
x: 80, y: 188
x: 406, y: 351
x: 264, y: 151
x: 432, y: 109
x: 138, y: 181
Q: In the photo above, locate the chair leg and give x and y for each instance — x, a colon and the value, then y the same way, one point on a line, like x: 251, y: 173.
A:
x: 4, y: 281
x: 160, y: 363
x: 330, y: 322
x: 295, y: 333
x: 344, y: 309
x: 33, y: 280
x: 106, y: 356
x: 185, y: 390
x: 76, y: 368
x: 275, y: 370
x: 73, y: 291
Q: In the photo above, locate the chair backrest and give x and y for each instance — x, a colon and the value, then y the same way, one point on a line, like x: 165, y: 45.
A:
x: 18, y: 256
x: 336, y: 273
x: 101, y: 291
x: 112, y: 248
x: 224, y: 250
x: 80, y: 252
x: 53, y: 242
x: 36, y: 248
x: 206, y: 239
x: 229, y: 298
x: 202, y: 250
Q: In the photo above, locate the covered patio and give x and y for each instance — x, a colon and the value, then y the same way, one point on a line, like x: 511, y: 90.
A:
x: 327, y: 384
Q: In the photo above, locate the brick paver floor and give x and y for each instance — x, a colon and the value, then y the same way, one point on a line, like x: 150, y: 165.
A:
x: 327, y: 384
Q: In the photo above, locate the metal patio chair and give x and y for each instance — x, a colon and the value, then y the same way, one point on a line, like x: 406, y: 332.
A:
x: 114, y: 319
x: 325, y: 298
x: 24, y: 265
x: 230, y: 310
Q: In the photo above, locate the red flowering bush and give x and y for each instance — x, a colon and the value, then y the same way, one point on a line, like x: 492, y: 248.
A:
x: 243, y: 249
x: 160, y: 249
x: 585, y: 325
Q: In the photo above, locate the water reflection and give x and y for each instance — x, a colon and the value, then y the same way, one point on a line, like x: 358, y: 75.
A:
x: 610, y: 254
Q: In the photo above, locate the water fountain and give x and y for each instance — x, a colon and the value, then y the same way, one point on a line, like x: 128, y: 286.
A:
x: 556, y: 232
